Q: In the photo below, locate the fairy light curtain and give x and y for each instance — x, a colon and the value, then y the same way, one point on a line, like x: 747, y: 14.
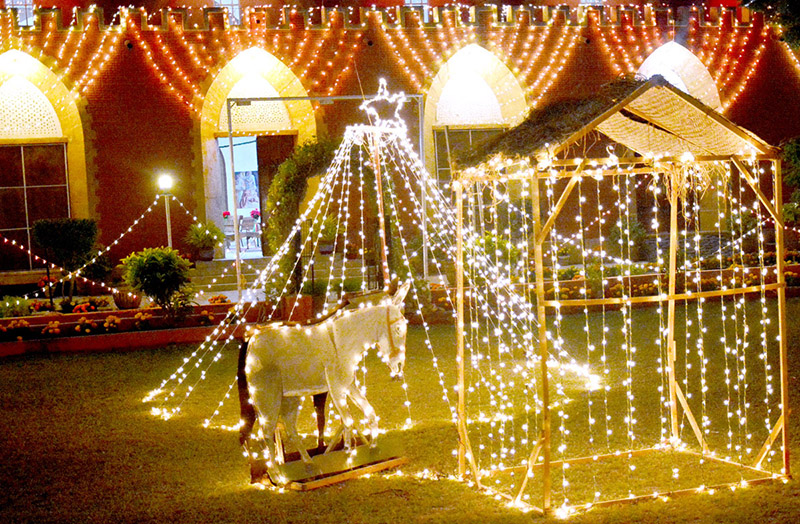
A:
x: 647, y: 378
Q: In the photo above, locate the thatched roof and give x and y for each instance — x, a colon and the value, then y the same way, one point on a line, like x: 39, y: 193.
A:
x: 651, y: 116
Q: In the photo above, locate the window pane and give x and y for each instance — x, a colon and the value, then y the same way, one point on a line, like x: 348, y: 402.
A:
x: 47, y: 202
x: 12, y: 204
x: 480, y: 135
x: 12, y: 257
x: 10, y: 166
x: 44, y: 165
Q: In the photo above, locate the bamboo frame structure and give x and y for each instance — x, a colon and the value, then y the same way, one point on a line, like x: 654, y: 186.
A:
x: 540, y: 455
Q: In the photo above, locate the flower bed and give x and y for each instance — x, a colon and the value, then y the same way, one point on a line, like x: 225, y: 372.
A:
x: 110, y: 329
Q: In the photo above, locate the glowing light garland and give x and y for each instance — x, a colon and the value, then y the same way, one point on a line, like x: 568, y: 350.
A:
x: 77, y: 64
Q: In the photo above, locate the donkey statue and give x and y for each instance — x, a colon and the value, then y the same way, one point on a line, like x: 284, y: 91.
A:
x: 280, y: 363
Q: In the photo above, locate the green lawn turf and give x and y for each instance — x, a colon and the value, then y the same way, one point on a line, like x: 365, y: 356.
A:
x: 79, y: 445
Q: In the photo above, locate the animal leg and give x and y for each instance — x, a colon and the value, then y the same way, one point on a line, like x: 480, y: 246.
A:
x: 267, y: 391
x: 361, y: 401
x: 289, y: 407
x: 338, y: 394
x: 320, y: 400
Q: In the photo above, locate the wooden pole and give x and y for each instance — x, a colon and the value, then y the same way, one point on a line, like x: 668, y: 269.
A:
x: 543, y: 352
x: 376, y: 166
x: 462, y: 399
x: 673, y: 269
x: 779, y: 263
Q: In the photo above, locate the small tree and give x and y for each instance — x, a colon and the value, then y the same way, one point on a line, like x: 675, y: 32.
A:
x: 161, y: 274
x: 67, y: 242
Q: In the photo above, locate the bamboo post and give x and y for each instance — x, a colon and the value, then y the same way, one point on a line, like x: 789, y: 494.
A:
x: 779, y: 265
x: 376, y: 165
x: 673, y: 268
x: 463, y: 438
x: 543, y: 352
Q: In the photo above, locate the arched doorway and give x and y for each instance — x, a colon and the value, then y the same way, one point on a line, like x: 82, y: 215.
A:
x: 264, y: 133
x: 473, y: 96
x: 42, y: 156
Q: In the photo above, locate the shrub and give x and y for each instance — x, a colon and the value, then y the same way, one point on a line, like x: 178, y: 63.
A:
x: 636, y: 235
x: 329, y: 229
x: 201, y: 237
x: 288, y: 189
x: 101, y: 268
x: 161, y: 274
x: 14, y: 307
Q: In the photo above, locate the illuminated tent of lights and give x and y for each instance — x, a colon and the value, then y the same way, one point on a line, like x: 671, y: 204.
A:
x: 560, y: 197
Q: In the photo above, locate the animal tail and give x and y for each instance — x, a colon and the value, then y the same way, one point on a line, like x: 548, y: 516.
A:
x: 246, y: 409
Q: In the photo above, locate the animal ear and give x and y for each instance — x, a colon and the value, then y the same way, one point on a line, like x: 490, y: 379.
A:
x: 391, y: 289
x: 401, y: 293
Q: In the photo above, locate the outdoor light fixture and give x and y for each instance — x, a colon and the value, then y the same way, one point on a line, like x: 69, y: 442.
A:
x: 165, y: 183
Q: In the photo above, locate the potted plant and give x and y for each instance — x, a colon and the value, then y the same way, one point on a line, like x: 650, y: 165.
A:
x: 202, y: 238
x: 125, y: 298
x: 327, y: 233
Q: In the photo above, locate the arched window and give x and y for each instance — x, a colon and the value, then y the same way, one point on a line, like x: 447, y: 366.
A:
x: 34, y: 182
x: 257, y: 115
x: 474, y: 96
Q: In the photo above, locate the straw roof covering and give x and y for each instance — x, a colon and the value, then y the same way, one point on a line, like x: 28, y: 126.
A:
x: 651, y: 117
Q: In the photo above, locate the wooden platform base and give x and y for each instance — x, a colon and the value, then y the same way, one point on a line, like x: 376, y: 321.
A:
x: 338, y: 466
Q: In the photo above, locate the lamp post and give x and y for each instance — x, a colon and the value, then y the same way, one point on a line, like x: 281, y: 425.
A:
x: 165, y: 183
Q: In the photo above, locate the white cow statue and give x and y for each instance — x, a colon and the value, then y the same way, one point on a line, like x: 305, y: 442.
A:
x: 280, y: 363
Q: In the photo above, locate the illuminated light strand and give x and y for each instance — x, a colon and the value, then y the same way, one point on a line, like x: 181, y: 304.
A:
x: 165, y: 52
x: 792, y: 54
x: 561, y: 416
x: 77, y: 272
x: 705, y: 421
x: 741, y: 339
x: 751, y: 68
x: 552, y: 71
x: 726, y: 67
x: 157, y: 69
x: 270, y: 272
x: 94, y: 67
x: 41, y: 291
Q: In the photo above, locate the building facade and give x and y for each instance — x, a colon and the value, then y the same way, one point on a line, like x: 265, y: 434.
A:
x: 93, y: 105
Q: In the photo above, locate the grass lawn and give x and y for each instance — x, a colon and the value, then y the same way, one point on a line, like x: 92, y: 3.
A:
x: 79, y: 445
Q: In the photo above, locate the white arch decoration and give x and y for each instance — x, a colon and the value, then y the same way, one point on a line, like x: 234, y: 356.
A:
x: 473, y: 87
x: 258, y: 116
x: 25, y: 112
x: 681, y: 68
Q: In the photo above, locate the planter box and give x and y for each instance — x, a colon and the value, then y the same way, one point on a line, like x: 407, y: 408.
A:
x: 111, y: 341
x: 201, y: 318
x: 297, y: 308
